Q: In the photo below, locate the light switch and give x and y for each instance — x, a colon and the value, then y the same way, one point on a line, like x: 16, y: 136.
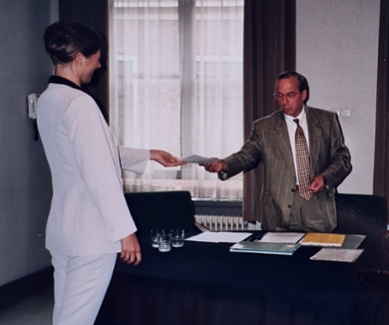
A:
x: 345, y: 113
x: 32, y: 99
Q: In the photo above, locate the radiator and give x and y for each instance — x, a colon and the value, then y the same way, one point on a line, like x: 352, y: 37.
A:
x: 226, y: 223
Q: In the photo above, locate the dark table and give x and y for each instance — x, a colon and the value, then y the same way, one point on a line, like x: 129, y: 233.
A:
x: 204, y: 283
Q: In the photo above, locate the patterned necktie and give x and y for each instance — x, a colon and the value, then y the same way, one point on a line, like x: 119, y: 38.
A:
x: 303, y: 165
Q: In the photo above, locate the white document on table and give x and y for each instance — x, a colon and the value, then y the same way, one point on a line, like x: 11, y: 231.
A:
x: 337, y: 255
x: 220, y: 236
x: 196, y: 159
x: 282, y: 237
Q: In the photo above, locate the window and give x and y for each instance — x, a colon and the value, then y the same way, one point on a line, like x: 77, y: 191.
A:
x: 176, y: 84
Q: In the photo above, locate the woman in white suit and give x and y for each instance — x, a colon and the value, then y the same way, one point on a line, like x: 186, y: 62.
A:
x: 89, y: 221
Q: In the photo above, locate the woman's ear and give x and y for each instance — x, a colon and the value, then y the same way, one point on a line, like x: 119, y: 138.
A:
x: 79, y: 59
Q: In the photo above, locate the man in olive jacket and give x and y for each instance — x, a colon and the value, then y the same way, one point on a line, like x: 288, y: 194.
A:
x: 272, y: 142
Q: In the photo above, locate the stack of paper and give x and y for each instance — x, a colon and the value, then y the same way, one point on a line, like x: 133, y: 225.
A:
x: 337, y: 255
x: 282, y: 237
x: 219, y: 236
x: 277, y: 243
x: 265, y: 248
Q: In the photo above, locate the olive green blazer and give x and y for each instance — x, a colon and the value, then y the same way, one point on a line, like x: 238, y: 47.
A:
x: 269, y: 144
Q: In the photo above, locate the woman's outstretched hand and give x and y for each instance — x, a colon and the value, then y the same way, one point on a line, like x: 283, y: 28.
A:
x: 165, y: 158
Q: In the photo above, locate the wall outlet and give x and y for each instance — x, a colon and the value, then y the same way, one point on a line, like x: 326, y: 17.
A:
x: 32, y: 100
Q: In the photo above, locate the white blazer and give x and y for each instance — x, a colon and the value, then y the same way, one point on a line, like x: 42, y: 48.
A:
x: 88, y: 214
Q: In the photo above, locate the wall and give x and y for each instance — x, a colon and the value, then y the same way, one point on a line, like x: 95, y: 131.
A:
x: 337, y: 46
x: 25, y: 184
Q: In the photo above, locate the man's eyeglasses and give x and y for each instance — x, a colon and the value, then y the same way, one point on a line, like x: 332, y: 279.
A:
x: 290, y: 96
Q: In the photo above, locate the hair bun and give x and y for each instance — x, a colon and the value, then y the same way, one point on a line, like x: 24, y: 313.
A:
x: 64, y: 40
x: 56, y: 37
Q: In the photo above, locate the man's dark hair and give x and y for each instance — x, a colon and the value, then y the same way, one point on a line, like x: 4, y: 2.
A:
x: 303, y: 82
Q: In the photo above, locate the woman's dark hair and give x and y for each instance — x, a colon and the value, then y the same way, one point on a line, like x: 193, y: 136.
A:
x: 64, y: 40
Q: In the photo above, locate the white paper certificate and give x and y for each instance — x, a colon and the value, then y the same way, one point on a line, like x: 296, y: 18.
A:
x: 195, y: 159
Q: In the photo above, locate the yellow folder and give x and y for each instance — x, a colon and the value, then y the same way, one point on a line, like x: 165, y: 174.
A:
x: 323, y: 239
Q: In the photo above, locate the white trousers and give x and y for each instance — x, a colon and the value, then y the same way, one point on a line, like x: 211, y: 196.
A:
x: 80, y: 284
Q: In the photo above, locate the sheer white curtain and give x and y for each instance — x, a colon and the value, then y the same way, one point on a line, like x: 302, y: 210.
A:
x: 176, y: 84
